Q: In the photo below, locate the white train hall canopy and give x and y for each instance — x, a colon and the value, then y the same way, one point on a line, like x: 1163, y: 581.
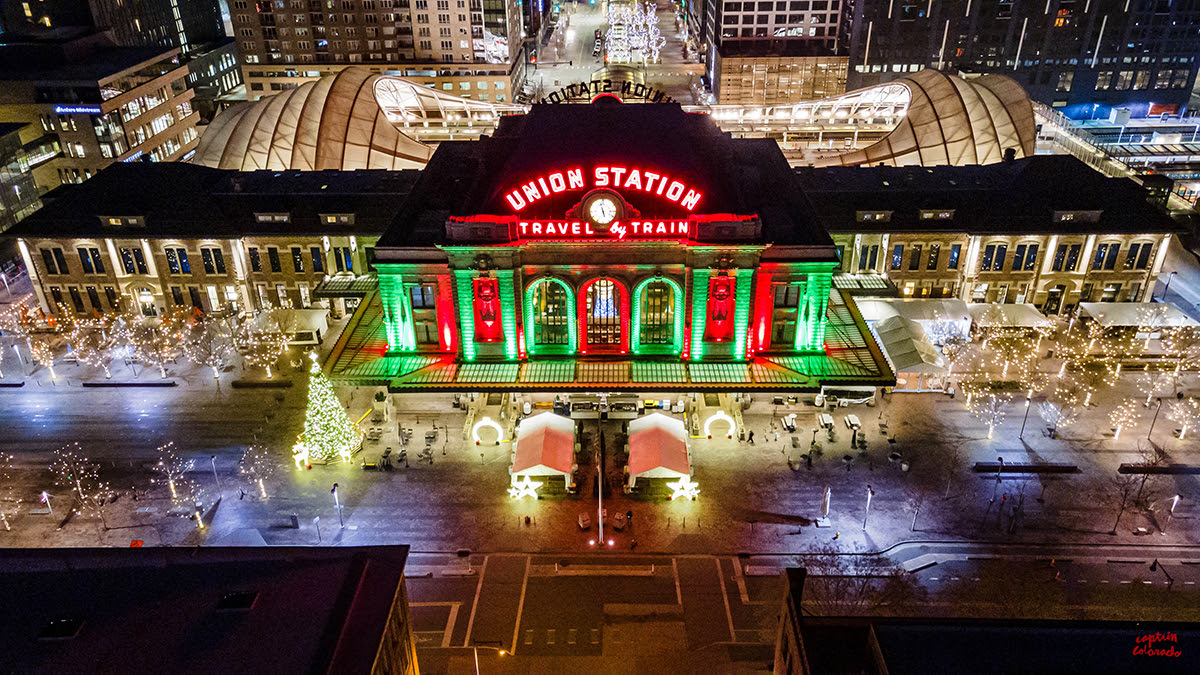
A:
x: 356, y: 119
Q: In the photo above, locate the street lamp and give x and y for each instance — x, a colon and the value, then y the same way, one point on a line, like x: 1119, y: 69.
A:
x: 475, y: 649
x: 215, y: 477
x: 1168, y: 286
x: 1155, y: 419
x: 1024, y: 421
x: 870, y: 493
x: 1155, y: 566
x: 1174, y: 503
x: 996, y: 486
x: 337, y: 504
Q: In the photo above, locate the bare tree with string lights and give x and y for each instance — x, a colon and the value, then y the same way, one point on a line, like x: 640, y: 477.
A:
x: 10, y: 501
x: 208, y: 343
x: 155, y: 343
x: 93, y: 341
x: 1124, y: 416
x: 1186, y: 413
x: 262, y: 341
x: 81, y: 476
x: 986, y: 404
x: 257, y: 466
x: 173, y: 471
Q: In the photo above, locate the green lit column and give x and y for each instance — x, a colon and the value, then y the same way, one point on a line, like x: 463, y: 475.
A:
x: 466, y: 311
x: 508, y: 311
x: 816, y: 294
x: 699, y: 311
x: 743, y: 296
x: 397, y: 313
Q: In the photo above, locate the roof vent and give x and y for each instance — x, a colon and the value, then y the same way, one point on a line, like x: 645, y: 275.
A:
x: 237, y: 601
x: 61, y: 629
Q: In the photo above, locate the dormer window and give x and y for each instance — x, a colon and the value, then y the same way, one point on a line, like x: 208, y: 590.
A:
x: 273, y: 217
x: 937, y: 214
x: 873, y: 216
x: 338, y: 218
x: 122, y: 221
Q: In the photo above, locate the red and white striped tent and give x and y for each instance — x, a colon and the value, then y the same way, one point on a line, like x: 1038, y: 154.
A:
x: 545, y: 446
x: 658, y: 448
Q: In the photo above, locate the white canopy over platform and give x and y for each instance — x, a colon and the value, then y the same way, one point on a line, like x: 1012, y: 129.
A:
x: 1154, y: 315
x: 545, y: 446
x: 923, y: 310
x: 907, y: 347
x: 1002, y: 315
x: 658, y: 448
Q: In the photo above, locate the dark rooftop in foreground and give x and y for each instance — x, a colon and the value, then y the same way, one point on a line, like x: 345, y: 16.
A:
x: 185, y: 200
x: 1020, y: 196
x: 196, y: 610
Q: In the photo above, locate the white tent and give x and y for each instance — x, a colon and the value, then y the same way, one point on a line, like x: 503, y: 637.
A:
x: 545, y: 446
x: 906, y: 346
x: 658, y: 448
x: 925, y: 311
x: 1001, y: 315
x: 1137, y: 314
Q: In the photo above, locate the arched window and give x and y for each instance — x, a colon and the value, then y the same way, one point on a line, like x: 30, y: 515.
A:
x: 603, y: 313
x: 657, y: 314
x: 551, y: 314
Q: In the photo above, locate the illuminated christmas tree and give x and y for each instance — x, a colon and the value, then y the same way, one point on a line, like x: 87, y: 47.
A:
x: 328, y: 430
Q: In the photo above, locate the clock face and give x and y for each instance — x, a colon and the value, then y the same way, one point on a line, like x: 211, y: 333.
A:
x: 602, y: 210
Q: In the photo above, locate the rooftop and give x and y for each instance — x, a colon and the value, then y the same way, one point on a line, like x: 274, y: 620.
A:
x: 1019, y: 196
x: 736, y: 176
x: 217, y: 609
x: 188, y: 201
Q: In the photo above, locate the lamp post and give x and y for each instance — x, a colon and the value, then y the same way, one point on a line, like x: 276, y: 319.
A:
x: 216, y: 478
x: 475, y: 649
x: 1168, y: 286
x: 996, y: 486
x: 1155, y: 566
x: 337, y: 504
x: 1155, y: 419
x: 1026, y: 420
x: 870, y: 493
x: 1174, y: 503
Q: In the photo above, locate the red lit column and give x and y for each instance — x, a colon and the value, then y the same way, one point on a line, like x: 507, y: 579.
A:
x: 764, y: 310
x: 447, y: 322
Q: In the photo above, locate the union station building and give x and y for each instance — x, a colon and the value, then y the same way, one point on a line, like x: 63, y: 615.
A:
x: 598, y: 247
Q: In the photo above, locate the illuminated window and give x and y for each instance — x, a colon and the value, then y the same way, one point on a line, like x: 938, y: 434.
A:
x: 603, y: 315
x: 550, y: 314
x: 658, y: 314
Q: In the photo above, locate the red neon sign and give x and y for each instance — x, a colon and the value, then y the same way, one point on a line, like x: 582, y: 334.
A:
x: 619, y: 177
x: 581, y: 229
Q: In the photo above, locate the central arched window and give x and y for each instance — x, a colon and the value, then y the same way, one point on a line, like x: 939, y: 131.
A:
x: 603, y: 313
x: 551, y: 315
x: 657, y: 314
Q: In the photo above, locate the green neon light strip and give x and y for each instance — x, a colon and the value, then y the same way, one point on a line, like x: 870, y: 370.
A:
x: 818, y: 301
x: 677, y: 335
x: 508, y: 311
x: 530, y: 317
x: 699, y: 312
x: 466, y: 312
x: 741, y: 311
x: 398, y: 322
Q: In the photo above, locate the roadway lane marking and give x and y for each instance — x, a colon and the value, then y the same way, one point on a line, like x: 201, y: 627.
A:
x: 521, y: 604
x: 725, y: 598
x: 450, y: 624
x: 741, y: 580
x: 475, y: 603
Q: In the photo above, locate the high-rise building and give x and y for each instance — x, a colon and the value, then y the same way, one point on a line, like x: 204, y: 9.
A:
x: 469, y: 47
x: 781, y: 51
x: 100, y: 103
x: 1083, y: 56
x: 186, y: 24
x: 19, y: 194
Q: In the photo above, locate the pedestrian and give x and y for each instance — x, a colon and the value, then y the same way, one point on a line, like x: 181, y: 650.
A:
x: 836, y: 535
x: 629, y: 517
x: 633, y: 544
x: 751, y: 438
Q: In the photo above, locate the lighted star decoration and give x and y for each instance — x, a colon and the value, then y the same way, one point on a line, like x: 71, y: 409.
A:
x: 684, y: 487
x: 526, y: 487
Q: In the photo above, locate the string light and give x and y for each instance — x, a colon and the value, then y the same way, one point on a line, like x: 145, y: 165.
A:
x: 74, y: 471
x: 328, y: 430
x: 173, y: 471
x: 8, y: 499
x: 261, y: 342
x: 1124, y: 416
x: 257, y: 466
x: 633, y: 27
